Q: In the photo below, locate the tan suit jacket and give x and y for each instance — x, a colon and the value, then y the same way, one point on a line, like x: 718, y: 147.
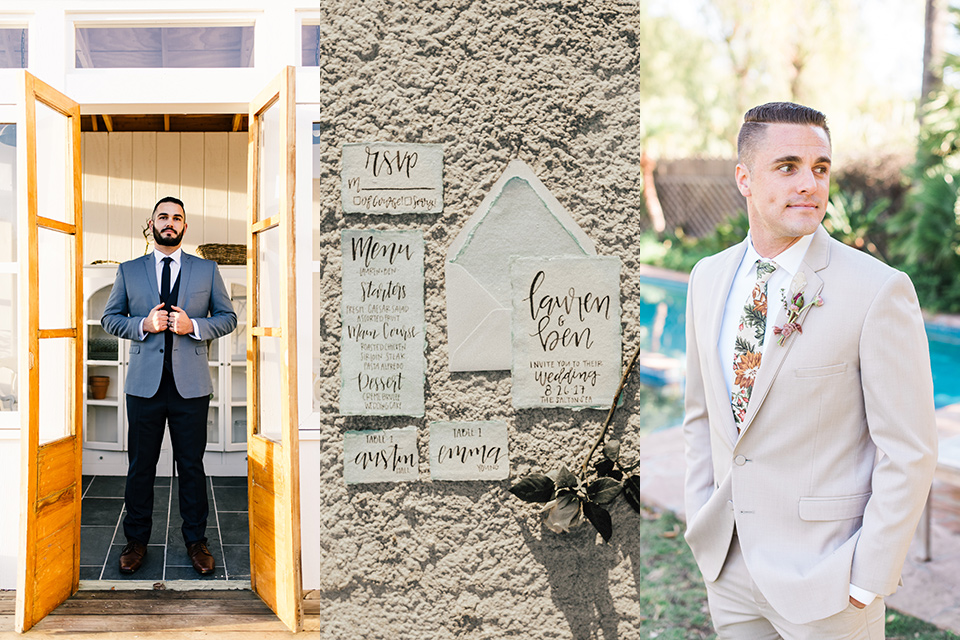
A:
x: 815, y: 505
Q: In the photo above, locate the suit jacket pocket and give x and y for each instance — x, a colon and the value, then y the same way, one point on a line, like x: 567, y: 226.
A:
x: 134, y: 348
x: 816, y: 509
x: 821, y: 372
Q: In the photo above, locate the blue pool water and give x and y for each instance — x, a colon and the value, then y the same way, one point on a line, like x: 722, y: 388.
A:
x: 656, y: 297
x: 945, y: 363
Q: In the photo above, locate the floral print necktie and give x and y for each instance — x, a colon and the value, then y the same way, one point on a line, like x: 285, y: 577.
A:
x: 748, y: 347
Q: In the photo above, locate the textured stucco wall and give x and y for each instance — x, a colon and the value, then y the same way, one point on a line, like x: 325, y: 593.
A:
x: 551, y: 83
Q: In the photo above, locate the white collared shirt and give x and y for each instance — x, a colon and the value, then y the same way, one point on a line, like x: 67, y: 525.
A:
x: 788, y: 263
x: 174, y: 267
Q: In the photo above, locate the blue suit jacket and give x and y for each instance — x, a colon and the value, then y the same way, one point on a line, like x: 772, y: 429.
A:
x: 204, y: 298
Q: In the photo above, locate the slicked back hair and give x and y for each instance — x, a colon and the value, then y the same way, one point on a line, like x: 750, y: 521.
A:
x: 176, y: 201
x: 756, y: 120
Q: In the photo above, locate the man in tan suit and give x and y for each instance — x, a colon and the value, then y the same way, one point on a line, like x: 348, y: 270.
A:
x: 809, y: 427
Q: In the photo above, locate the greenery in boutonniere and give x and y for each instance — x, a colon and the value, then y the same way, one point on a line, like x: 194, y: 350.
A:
x: 795, y: 308
x: 570, y: 497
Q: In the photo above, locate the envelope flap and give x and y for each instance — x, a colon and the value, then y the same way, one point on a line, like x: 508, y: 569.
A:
x: 467, y: 303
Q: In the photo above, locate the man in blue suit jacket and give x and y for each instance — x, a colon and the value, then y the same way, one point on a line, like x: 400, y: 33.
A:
x: 169, y: 304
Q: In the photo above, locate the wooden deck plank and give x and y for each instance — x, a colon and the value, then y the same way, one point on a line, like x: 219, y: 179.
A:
x: 207, y: 623
x: 152, y: 613
x: 163, y: 607
x: 167, y: 594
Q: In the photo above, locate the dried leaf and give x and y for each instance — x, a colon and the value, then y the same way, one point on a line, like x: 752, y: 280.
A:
x: 631, y: 492
x: 671, y: 534
x: 536, y: 487
x: 605, y: 469
x: 603, y: 490
x: 566, y: 478
x: 611, y: 449
x: 599, y: 518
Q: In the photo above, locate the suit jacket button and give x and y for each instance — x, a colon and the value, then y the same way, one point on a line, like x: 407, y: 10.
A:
x: 161, y: 350
x: 740, y: 460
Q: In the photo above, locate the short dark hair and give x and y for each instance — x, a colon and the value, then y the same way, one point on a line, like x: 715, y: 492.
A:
x: 756, y: 120
x: 176, y: 201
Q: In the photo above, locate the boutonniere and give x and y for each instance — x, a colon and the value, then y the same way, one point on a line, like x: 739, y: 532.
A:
x: 795, y: 308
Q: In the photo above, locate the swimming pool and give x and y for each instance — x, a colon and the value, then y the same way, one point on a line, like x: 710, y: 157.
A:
x: 661, y: 307
x: 945, y: 363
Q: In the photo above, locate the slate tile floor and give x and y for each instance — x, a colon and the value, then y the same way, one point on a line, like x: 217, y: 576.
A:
x: 101, y: 532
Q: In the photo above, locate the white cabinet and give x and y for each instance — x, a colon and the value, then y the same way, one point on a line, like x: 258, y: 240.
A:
x: 105, y: 428
x: 104, y: 355
x: 227, y: 418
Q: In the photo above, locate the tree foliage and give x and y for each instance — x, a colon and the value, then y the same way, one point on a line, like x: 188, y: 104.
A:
x: 927, y: 231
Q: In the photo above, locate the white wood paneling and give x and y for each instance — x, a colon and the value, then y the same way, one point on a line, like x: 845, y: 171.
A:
x: 96, y: 222
x: 215, y: 180
x: 168, y: 165
x: 125, y: 173
x: 120, y: 196
x: 237, y: 188
x: 144, y: 186
x: 191, y: 187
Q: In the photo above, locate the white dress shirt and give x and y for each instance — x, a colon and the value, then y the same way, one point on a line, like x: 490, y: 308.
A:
x: 174, y: 274
x: 788, y: 263
x: 778, y: 286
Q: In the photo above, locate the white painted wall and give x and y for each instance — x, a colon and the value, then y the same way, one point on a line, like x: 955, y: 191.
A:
x: 9, y: 507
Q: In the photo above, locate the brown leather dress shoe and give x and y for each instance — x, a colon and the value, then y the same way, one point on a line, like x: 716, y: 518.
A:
x: 201, y: 558
x: 131, y: 557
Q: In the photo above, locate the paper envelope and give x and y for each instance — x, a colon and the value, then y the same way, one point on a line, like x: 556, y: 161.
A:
x: 518, y: 217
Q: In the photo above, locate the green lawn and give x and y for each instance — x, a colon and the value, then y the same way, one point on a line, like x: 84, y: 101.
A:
x: 673, y: 590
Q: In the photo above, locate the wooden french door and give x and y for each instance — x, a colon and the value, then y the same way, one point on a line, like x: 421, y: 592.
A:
x: 51, y: 293
x: 272, y: 436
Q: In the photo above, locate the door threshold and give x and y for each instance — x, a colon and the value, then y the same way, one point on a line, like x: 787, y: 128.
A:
x: 164, y: 585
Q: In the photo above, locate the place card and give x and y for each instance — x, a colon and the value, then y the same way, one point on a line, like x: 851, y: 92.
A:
x: 566, y: 331
x: 469, y: 451
x: 389, y: 455
x: 382, y: 342
x: 391, y: 177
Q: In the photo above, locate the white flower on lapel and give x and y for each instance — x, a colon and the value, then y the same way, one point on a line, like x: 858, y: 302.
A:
x: 795, y: 308
x: 799, y: 284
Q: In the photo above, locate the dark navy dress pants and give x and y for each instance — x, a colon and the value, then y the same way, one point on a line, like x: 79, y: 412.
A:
x: 146, y: 418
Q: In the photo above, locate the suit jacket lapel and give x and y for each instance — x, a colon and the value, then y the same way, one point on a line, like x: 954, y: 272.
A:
x: 150, y: 271
x: 186, y: 268
x: 817, y: 257
x: 724, y: 280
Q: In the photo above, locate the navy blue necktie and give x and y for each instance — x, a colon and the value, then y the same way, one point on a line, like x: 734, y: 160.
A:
x: 165, y: 281
x: 164, y: 296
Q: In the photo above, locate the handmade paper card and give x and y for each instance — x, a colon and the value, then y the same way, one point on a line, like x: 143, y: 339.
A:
x: 566, y: 331
x: 391, y: 177
x: 382, y: 362
x: 469, y: 451
x: 389, y: 455
x: 518, y: 217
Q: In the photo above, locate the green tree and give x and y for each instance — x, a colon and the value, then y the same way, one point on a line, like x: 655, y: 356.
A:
x: 927, y: 230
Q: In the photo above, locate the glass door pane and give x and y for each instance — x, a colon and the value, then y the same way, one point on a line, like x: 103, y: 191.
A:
x: 9, y: 384
x: 54, y: 158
